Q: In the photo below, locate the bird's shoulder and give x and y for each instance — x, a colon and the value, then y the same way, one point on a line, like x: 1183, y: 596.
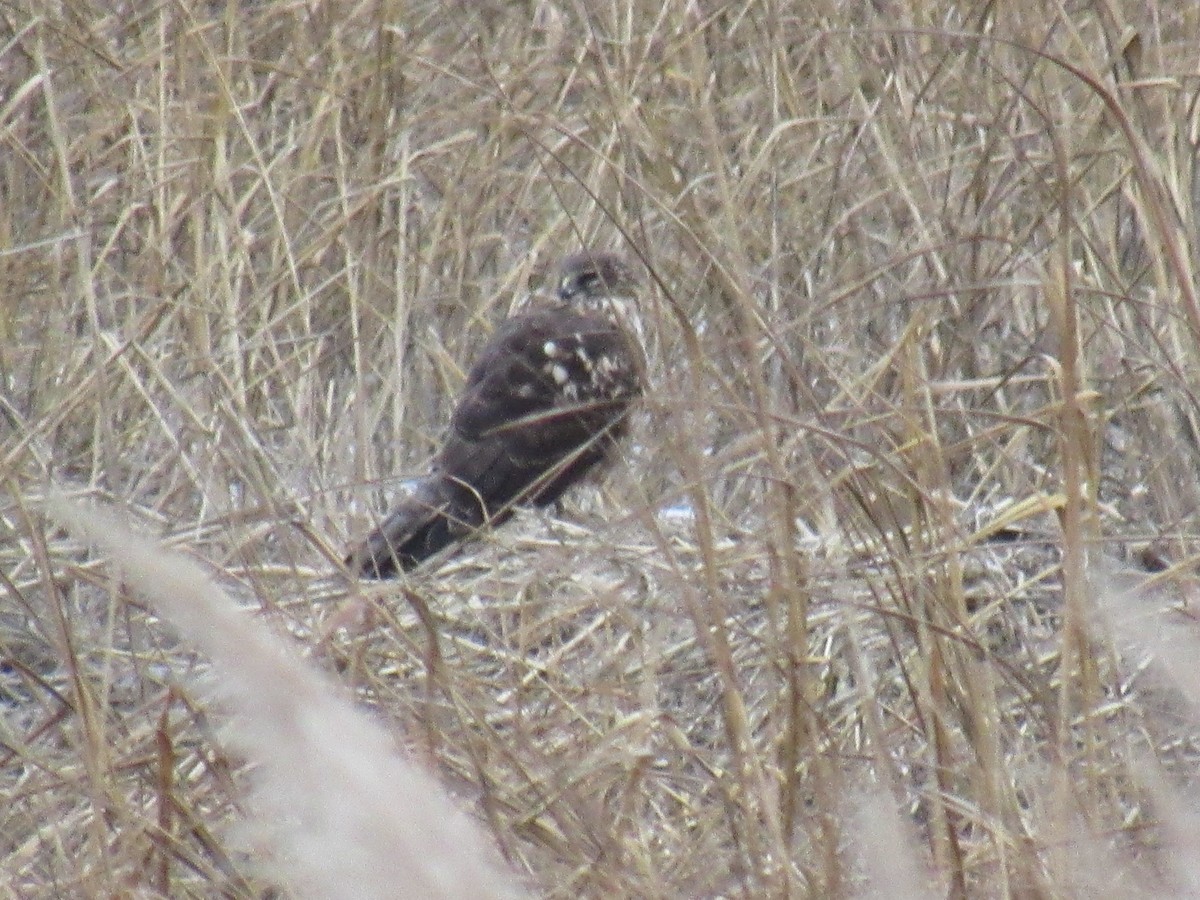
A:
x: 547, y: 358
x: 556, y: 347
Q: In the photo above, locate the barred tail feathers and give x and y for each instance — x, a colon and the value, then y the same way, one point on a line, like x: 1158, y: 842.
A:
x: 420, y: 525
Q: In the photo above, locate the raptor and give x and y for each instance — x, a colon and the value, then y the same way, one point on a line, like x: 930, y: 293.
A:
x: 545, y: 404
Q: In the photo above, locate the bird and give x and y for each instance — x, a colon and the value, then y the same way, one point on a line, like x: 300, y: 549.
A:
x: 545, y: 404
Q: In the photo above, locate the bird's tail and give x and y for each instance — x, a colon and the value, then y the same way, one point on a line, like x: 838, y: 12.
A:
x: 430, y: 518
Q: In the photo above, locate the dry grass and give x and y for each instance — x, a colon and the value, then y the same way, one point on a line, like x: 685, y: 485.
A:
x: 894, y: 591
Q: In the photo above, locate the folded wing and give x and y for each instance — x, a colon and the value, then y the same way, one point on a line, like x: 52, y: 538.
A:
x: 542, y: 407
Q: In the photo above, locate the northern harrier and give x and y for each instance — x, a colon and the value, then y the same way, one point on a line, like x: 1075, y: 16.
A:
x: 545, y: 402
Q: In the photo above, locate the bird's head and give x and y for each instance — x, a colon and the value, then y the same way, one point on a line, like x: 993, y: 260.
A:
x: 597, y: 282
x: 603, y: 284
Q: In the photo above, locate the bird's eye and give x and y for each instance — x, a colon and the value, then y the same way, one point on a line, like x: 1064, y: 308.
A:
x: 577, y: 282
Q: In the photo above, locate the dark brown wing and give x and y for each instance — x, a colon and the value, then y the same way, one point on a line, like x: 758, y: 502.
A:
x: 582, y: 368
x: 542, y: 406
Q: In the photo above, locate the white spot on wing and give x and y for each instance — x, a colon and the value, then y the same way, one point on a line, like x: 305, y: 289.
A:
x: 560, y: 374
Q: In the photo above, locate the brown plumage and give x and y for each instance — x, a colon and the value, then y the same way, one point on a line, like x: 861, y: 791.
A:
x: 546, y: 401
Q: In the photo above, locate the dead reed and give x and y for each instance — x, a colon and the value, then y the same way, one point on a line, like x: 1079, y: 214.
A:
x: 892, y: 592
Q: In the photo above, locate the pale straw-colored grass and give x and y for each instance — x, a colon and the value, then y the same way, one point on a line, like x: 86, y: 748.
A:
x: 335, y: 809
x: 924, y: 333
